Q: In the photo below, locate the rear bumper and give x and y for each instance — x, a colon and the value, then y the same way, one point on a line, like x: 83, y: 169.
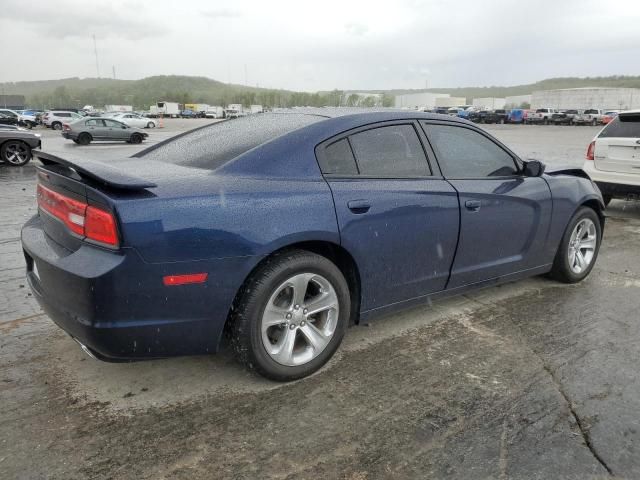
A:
x: 613, y: 183
x: 116, y: 304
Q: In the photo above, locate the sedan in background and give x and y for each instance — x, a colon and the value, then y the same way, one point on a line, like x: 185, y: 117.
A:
x: 135, y: 120
x: 16, y: 146
x: 89, y: 129
x: 8, y: 119
x: 284, y: 229
x: 613, y: 157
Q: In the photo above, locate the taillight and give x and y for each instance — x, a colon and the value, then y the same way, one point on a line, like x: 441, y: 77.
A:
x: 590, y: 150
x: 82, y: 219
x: 66, y: 127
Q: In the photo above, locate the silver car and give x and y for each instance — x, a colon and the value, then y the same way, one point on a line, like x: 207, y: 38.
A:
x: 88, y: 129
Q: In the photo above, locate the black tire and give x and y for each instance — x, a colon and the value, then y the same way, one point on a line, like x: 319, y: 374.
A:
x: 84, y: 139
x: 594, y: 122
x: 56, y: 126
x: 136, y: 138
x: 151, y: 125
x: 607, y: 199
x: 246, y: 315
x: 15, y: 153
x: 561, y: 269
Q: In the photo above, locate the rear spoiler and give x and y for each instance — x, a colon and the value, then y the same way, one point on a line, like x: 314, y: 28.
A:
x: 98, y: 172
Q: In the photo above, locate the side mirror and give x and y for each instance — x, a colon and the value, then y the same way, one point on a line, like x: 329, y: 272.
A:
x: 533, y: 168
x: 124, y: 127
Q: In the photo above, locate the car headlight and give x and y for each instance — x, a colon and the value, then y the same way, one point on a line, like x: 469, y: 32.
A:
x: 37, y: 135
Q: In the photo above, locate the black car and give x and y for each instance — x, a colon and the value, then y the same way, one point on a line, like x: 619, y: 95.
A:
x: 564, y: 118
x: 16, y: 146
x: 495, y: 116
x: 8, y: 120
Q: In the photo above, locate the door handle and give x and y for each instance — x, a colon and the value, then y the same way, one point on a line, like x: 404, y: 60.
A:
x: 473, y: 205
x: 358, y: 206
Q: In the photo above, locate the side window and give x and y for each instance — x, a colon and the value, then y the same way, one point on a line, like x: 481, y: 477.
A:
x: 112, y: 123
x: 337, y: 159
x: 91, y: 123
x: 394, y: 151
x: 464, y: 153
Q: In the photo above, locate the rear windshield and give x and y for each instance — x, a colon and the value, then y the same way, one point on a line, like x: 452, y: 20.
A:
x: 590, y: 112
x: 627, y: 126
x: 212, y: 146
x: 541, y: 110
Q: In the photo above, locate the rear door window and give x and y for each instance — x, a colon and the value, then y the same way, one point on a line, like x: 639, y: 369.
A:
x: 623, y: 126
x: 394, y: 151
x: 337, y: 159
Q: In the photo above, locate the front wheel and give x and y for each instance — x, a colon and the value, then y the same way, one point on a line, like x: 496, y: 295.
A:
x: 579, y: 247
x: 291, y: 315
x: 15, y: 153
x: 136, y: 138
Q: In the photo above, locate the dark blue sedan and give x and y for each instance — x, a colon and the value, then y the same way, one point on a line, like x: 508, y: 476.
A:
x: 283, y: 229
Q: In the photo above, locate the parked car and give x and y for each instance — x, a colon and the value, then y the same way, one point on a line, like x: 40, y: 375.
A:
x: 28, y: 118
x: 16, y: 146
x: 565, y: 117
x: 135, y: 120
x: 591, y: 116
x: 188, y: 114
x: 541, y: 116
x: 86, y: 130
x: 8, y: 119
x: 516, y: 115
x: 362, y: 215
x: 56, y: 118
x: 613, y: 157
x: 608, y: 116
x: 495, y: 116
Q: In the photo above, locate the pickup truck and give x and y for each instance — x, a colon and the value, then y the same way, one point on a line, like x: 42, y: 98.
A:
x: 564, y: 117
x: 542, y: 115
x: 591, y: 116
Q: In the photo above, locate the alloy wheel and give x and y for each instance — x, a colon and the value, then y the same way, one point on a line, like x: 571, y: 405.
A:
x: 582, y: 245
x: 16, y: 153
x: 299, y: 319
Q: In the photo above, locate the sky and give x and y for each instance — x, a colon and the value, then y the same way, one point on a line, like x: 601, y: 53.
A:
x: 310, y: 46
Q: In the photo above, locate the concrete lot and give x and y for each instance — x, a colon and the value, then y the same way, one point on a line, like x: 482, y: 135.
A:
x: 529, y: 380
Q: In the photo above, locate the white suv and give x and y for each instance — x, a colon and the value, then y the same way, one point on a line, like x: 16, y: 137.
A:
x: 56, y: 118
x: 613, y: 157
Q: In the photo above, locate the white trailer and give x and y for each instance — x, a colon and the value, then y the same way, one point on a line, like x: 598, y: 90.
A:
x: 257, y: 109
x: 214, y: 112
x: 234, y: 110
x: 118, y: 108
x: 167, y: 109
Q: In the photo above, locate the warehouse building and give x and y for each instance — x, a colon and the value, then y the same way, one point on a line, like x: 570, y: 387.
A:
x: 515, y: 101
x: 450, y: 101
x: 587, y: 97
x: 418, y: 101
x: 15, y: 102
x: 488, y: 102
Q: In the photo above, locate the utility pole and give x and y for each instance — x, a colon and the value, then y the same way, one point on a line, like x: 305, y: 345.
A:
x: 113, y: 68
x: 95, y: 51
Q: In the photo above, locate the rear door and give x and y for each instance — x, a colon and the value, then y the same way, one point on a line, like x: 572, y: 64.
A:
x: 397, y: 216
x: 618, y: 145
x: 95, y: 127
x: 504, y: 215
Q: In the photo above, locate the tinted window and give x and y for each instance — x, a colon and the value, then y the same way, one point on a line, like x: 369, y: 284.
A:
x: 464, y: 153
x: 590, y: 112
x: 94, y: 123
x: 393, y: 151
x: 338, y: 159
x: 62, y: 114
x: 623, y: 126
x: 212, y: 146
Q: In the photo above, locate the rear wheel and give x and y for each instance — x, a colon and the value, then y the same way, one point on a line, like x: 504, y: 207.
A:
x: 136, y: 138
x: 291, y: 315
x: 84, y: 139
x: 56, y: 126
x: 151, y: 125
x: 15, y: 153
x: 594, y: 122
x: 607, y: 199
x: 579, y: 247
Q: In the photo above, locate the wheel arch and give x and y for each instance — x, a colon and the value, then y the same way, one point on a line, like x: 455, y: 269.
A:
x: 330, y: 250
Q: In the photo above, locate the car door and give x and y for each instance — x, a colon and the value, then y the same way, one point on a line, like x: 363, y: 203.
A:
x: 95, y: 127
x: 397, y: 217
x: 504, y: 215
x: 116, y: 130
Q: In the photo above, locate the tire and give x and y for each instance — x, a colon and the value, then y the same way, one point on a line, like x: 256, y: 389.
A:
x: 135, y: 138
x: 15, y: 153
x: 594, y: 122
x: 607, y: 199
x: 151, y: 125
x: 56, y: 126
x: 546, y: 121
x: 84, y: 139
x: 565, y: 262
x: 272, y: 286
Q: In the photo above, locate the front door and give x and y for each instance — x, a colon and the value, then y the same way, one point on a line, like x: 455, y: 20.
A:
x: 505, y: 215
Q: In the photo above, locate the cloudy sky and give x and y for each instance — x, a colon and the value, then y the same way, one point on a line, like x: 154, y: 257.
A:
x: 322, y: 45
